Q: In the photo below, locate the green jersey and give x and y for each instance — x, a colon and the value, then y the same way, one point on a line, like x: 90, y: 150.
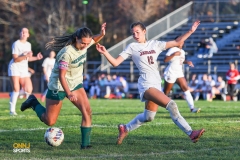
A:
x: 73, y: 61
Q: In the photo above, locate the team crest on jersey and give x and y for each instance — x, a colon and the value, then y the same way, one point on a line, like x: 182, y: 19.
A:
x: 168, y: 78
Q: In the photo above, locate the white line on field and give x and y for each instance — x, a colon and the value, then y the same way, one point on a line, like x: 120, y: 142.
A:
x: 105, y: 126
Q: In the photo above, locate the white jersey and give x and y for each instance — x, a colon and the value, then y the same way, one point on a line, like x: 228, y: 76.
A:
x: 48, y: 63
x: 145, y: 55
x: 174, y: 69
x: 20, y: 49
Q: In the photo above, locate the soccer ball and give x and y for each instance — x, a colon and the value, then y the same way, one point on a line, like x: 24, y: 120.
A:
x: 54, y: 136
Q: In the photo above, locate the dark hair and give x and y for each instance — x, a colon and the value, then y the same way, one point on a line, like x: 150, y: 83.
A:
x: 57, y: 43
x: 141, y: 25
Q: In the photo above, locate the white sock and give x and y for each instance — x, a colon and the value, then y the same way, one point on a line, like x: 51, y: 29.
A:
x: 189, y: 99
x: 177, y: 118
x: 27, y: 94
x: 13, y: 101
x: 146, y: 116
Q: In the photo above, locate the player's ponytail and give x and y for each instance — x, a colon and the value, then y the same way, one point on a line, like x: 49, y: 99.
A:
x: 57, y: 43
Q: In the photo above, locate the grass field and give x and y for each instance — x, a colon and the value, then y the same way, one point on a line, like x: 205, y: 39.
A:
x: 160, y: 139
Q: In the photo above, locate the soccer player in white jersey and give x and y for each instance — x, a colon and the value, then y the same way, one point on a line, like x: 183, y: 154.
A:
x: 47, y: 65
x: 18, y: 67
x: 144, y: 54
x: 66, y: 80
x: 174, y: 74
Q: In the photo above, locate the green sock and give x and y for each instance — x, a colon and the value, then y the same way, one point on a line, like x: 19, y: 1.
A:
x: 86, y: 131
x: 39, y: 109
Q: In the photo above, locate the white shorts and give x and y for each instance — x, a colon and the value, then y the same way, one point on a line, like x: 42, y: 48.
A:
x: 143, y: 86
x: 14, y: 71
x: 171, y: 78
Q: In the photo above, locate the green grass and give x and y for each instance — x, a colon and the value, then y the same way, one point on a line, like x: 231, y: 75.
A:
x: 160, y: 139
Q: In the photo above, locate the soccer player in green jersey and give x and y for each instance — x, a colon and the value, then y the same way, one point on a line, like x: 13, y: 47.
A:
x: 66, y: 80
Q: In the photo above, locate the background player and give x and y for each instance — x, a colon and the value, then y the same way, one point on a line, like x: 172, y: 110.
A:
x: 47, y: 65
x: 18, y: 68
x: 174, y: 74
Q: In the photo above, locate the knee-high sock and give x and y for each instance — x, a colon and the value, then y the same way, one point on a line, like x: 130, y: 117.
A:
x: 13, y: 101
x: 146, y: 116
x: 86, y: 132
x: 189, y: 99
x: 177, y: 118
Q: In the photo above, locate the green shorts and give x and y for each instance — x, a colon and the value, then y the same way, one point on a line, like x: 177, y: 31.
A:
x: 59, y: 95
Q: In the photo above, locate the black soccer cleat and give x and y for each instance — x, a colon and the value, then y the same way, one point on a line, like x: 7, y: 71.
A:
x: 28, y: 103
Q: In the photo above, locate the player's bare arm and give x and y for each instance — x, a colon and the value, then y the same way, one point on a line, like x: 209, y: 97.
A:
x: 35, y: 58
x: 98, y: 37
x: 24, y: 56
x: 180, y: 40
x: 114, y: 61
x: 189, y: 63
x: 168, y: 58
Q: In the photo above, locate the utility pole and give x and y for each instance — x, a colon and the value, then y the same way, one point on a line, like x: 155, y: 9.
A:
x: 84, y: 2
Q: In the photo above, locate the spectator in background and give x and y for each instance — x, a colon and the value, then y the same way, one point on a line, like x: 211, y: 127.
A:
x: 232, y: 77
x: 202, y: 88
x: 47, y: 65
x: 219, y: 88
x: 86, y: 84
x: 124, y: 84
x: 18, y: 68
x: 94, y: 91
x: 192, y: 85
x: 212, y: 46
x: 211, y: 84
x: 202, y: 47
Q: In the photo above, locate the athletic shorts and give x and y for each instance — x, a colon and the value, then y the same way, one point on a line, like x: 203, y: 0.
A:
x: 142, y: 87
x: 13, y: 71
x: 60, y: 95
x: 171, y: 78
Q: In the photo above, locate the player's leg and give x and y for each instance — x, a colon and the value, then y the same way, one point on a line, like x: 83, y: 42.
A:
x: 167, y: 87
x: 27, y: 85
x: 147, y: 116
x: 83, y: 105
x: 14, y: 95
x: 183, y: 85
x: 161, y: 99
x: 49, y: 114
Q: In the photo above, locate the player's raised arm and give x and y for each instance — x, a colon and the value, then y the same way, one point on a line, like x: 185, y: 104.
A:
x: 114, y: 61
x: 98, y: 37
x: 180, y: 40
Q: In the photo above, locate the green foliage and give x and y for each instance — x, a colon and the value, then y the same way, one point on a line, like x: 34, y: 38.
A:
x: 160, y: 139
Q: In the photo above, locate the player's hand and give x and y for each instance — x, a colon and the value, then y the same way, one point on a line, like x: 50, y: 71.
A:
x: 190, y: 64
x: 103, y: 27
x: 195, y: 25
x: 72, y: 97
x: 101, y: 48
x: 39, y: 56
x: 29, y: 54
